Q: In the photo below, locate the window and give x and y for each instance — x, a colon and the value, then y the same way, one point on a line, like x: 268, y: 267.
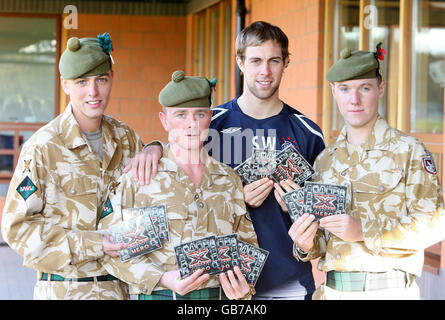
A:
x: 385, y: 29
x: 428, y: 66
x: 28, y: 82
x: 346, y: 35
x: 427, y: 93
x: 212, y: 47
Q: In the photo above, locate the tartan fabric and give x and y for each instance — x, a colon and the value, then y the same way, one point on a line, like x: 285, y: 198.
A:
x: 56, y: 277
x: 203, y: 294
x: 363, y: 281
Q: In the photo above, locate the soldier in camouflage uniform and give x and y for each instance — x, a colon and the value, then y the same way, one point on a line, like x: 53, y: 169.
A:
x: 64, y: 170
x: 396, y: 208
x: 202, y: 197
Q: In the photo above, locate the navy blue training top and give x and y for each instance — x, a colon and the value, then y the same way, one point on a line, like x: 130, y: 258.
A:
x: 232, y: 137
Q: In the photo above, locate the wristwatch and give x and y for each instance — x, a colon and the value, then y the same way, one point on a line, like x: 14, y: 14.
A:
x: 298, y: 253
x: 248, y: 294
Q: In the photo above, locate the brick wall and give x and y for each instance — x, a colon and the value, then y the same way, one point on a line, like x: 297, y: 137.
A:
x: 147, y: 49
x: 302, y: 21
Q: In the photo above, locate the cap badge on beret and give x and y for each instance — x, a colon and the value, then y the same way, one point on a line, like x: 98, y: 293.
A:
x: 212, y: 83
x: 105, y: 42
x: 380, y: 52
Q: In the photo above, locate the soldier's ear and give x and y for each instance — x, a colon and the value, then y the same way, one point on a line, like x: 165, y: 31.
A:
x: 332, y: 84
x: 382, y: 87
x: 64, y: 84
x: 163, y: 119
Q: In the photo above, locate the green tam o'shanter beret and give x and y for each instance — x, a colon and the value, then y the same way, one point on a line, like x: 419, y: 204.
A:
x: 86, y: 57
x: 186, y: 91
x: 356, y: 65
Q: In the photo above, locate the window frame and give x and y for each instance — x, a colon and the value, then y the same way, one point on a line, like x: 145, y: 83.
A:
x: 199, y: 57
x: 25, y: 126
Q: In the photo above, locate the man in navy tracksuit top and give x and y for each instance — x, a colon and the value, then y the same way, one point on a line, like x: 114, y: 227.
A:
x: 258, y: 118
x: 282, y: 276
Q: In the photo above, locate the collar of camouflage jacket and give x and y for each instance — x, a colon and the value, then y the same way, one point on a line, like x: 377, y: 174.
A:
x: 212, y: 167
x: 380, y: 138
x: 73, y: 137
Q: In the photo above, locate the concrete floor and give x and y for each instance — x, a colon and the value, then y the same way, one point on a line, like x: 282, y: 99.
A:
x: 16, y: 281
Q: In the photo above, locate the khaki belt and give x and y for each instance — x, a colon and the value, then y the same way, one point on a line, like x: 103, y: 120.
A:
x: 56, y: 277
x: 364, y: 281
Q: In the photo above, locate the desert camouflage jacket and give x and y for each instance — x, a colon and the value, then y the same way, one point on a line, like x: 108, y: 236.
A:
x: 394, y: 191
x: 215, y: 207
x: 57, y: 193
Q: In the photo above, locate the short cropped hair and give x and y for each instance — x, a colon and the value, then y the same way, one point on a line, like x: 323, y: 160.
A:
x: 258, y: 33
x: 379, y: 78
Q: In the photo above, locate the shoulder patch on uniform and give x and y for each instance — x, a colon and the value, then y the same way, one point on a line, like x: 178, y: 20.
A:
x: 107, y: 209
x: 26, y: 188
x: 428, y: 164
x: 27, y: 165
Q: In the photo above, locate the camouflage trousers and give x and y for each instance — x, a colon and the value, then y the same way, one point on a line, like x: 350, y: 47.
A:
x: 74, y: 290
